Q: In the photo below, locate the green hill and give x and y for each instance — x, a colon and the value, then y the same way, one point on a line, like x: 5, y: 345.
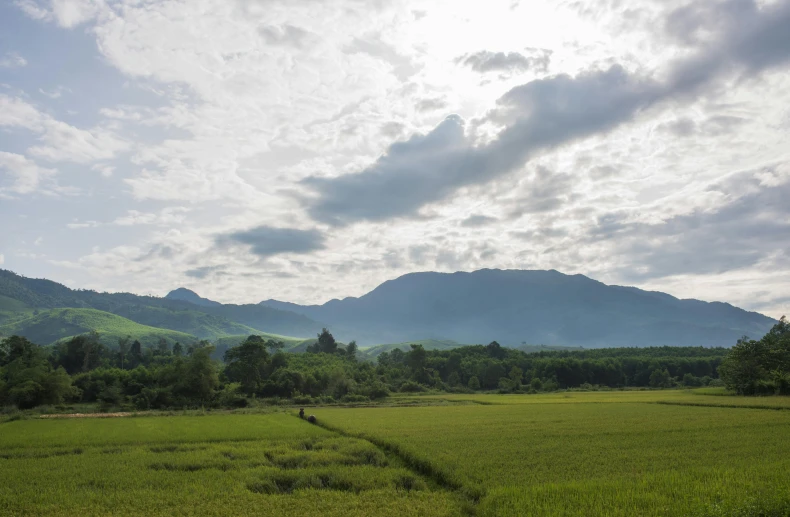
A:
x: 196, y: 323
x: 56, y: 324
x: 21, y: 295
x: 428, y: 344
x: 11, y: 309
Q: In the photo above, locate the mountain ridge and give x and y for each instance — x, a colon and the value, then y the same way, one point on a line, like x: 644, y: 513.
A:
x: 581, y: 309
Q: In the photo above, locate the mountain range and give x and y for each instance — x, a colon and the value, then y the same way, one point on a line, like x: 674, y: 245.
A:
x: 517, y: 308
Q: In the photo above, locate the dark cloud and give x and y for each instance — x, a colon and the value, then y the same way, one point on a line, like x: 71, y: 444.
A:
x: 203, y: 272
x: 392, y: 129
x: 157, y: 251
x: 545, y: 191
x: 509, y: 62
x: 542, y: 114
x: 266, y: 241
x: 431, y: 104
x: 681, y: 127
x: 474, y: 221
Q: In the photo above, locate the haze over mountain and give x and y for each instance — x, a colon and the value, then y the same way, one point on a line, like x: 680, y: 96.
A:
x: 514, y: 307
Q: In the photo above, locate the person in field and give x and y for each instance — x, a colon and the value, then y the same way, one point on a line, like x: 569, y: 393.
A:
x: 301, y: 412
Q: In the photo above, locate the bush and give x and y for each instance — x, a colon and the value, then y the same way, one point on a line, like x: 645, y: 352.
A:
x: 231, y: 397
x: 411, y: 387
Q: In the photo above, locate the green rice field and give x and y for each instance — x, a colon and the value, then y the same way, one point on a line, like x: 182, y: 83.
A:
x: 651, y: 453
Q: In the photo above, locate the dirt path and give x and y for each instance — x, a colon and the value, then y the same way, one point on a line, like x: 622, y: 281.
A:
x: 87, y: 415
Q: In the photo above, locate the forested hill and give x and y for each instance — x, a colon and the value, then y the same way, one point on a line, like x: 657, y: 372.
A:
x: 22, y: 299
x: 533, y: 307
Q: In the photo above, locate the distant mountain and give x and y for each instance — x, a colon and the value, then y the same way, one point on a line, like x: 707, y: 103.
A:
x: 20, y: 297
x: 517, y: 308
x: 186, y: 295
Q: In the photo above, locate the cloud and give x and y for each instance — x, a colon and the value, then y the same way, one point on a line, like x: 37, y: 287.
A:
x: 431, y: 104
x: 540, y: 115
x: 749, y: 226
x: 33, y: 10
x: 85, y: 224
x: 267, y: 241
x: 509, y: 62
x: 103, y: 169
x: 59, y: 141
x: 25, y: 175
x: 173, y: 215
x: 2, y: 259
x: 288, y: 35
x: 56, y: 93
x: 475, y: 221
x: 12, y: 60
x: 203, y: 272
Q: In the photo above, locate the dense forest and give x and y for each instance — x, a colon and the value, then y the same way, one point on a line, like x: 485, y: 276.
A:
x: 84, y: 370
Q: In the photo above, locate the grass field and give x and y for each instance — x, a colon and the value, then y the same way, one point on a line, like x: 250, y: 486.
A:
x: 569, y: 454
x: 273, y: 464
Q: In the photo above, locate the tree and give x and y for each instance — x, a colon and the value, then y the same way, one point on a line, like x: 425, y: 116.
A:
x: 454, y: 379
x: 178, y: 349
x: 136, y: 351
x: 246, y: 363
x: 415, y: 360
x: 760, y: 367
x: 660, y: 379
x: 326, y: 342
x: 162, y: 347
x: 274, y: 346
x: 351, y: 350
x: 123, y: 348
x: 200, y: 378
x: 474, y: 383
x: 26, y: 377
x: 515, y: 375
x: 495, y: 350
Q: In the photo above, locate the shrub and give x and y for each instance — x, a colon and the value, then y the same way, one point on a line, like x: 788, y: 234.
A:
x: 411, y: 387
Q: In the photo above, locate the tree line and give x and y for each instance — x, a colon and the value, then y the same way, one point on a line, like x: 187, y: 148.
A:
x: 83, y: 370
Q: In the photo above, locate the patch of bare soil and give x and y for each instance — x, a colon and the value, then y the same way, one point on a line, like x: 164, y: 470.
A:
x: 87, y: 415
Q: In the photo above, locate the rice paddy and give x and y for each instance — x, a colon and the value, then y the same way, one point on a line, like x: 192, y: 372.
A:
x: 571, y: 454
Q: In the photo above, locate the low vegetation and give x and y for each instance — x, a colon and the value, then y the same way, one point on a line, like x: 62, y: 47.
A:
x: 271, y: 464
x: 618, y: 455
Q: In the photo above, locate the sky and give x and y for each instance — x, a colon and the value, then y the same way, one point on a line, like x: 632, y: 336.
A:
x: 308, y: 150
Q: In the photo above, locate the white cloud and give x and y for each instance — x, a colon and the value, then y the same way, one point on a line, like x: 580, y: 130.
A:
x: 70, y: 13
x: 60, y: 141
x: 33, y: 9
x: 12, y: 60
x: 167, y: 216
x: 23, y: 175
x: 103, y: 169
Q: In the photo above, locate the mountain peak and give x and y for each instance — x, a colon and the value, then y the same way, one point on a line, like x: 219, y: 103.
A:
x: 187, y: 295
